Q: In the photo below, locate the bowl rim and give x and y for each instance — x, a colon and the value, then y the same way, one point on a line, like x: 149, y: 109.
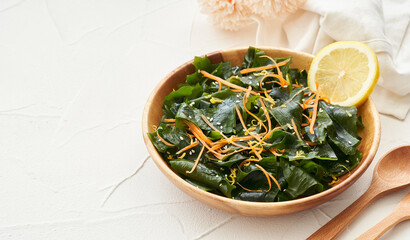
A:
x: 163, y: 166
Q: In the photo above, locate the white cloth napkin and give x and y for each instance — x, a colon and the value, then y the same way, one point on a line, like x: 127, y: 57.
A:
x: 383, y: 25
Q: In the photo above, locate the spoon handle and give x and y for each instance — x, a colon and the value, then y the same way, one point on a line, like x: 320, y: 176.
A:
x: 379, y: 229
x: 335, y: 226
x: 400, y: 213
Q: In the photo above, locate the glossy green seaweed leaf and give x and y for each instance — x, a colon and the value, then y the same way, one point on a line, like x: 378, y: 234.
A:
x: 289, y: 110
x: 253, y: 58
x: 299, y: 181
x: 205, y: 174
x: 172, y: 101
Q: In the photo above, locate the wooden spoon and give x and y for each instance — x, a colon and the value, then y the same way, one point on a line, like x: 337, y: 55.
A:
x: 391, y: 173
x: 399, y: 214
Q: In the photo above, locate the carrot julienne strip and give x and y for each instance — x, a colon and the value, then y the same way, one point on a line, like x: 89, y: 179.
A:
x: 295, y: 129
x: 301, y: 90
x: 223, y: 135
x: 197, y: 160
x: 311, y: 143
x: 274, y: 152
x: 187, y: 147
x: 248, y: 70
x: 216, y: 154
x: 266, y: 175
x: 254, y: 150
x: 315, y: 106
x: 194, y: 129
x: 165, y: 142
x: 218, y: 79
x: 202, y: 138
x: 304, y: 115
x: 270, y: 175
x: 266, y: 114
x: 247, y: 189
x: 243, y: 124
x: 212, y: 126
x: 169, y: 120
x: 244, y: 101
x: 248, y: 160
x: 277, y: 67
x: 281, y: 79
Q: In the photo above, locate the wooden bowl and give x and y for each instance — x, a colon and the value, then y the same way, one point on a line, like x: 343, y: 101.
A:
x: 153, y: 113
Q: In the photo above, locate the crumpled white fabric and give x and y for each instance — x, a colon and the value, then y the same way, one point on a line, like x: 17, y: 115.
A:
x: 383, y: 25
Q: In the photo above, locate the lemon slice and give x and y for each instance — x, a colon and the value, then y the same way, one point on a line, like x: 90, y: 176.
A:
x: 345, y: 71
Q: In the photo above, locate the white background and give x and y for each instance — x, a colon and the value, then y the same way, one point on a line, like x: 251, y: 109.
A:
x: 74, y: 78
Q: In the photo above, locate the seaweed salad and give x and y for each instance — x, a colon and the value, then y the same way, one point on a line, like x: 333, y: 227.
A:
x: 256, y: 132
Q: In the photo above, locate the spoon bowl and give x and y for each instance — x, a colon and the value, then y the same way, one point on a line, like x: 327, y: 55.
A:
x: 394, y: 167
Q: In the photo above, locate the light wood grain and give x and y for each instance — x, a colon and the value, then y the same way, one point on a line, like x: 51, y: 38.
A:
x: 153, y: 113
x: 399, y: 214
x: 391, y: 173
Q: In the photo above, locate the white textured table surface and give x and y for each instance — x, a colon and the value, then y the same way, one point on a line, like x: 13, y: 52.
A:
x: 74, y: 77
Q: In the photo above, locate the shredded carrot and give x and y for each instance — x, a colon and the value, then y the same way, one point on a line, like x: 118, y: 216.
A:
x: 270, y: 175
x: 315, y: 106
x: 223, y: 135
x: 311, y: 143
x: 217, y: 146
x: 274, y: 152
x: 310, y: 99
x: 268, y: 91
x: 253, y: 149
x: 169, y: 120
x: 277, y: 67
x: 322, y: 95
x: 301, y: 90
x: 220, y: 80
x: 306, y: 117
x: 197, y: 160
x: 202, y: 138
x: 248, y: 70
x: 266, y: 114
x: 212, y: 126
x: 295, y: 129
x: 165, y: 142
x: 194, y: 129
x: 243, y: 124
x: 266, y: 175
x: 326, y: 99
x: 244, y: 101
x: 187, y: 147
x: 247, y: 189
x: 282, y: 81
x: 232, y: 153
x: 248, y: 160
x: 226, y: 150
x: 232, y: 139
x: 216, y: 154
